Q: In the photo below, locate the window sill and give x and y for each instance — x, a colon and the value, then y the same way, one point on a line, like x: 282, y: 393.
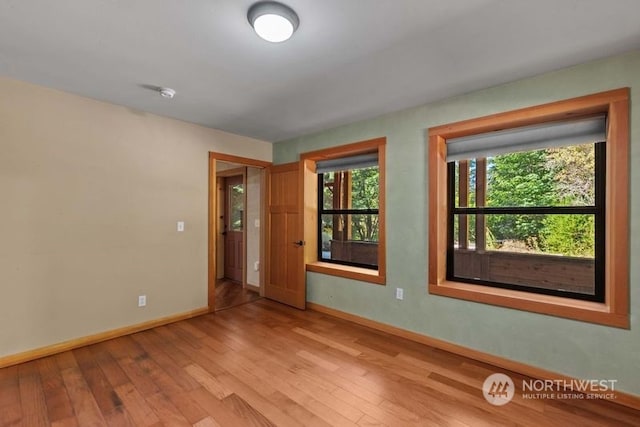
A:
x: 586, y: 311
x: 349, y: 272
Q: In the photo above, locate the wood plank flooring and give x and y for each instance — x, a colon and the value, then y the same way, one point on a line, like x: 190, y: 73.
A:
x: 265, y: 364
x: 230, y: 294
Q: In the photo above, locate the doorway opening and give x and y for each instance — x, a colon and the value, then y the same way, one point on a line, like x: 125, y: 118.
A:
x: 236, y: 242
x: 231, y: 215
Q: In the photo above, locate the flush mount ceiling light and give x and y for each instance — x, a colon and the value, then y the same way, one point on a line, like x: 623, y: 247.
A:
x: 273, y: 21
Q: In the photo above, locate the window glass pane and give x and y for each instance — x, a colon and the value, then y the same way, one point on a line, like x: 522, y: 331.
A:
x: 527, y: 253
x: 471, y: 192
x: 457, y: 220
x: 541, y: 251
x: 458, y: 224
x: 328, y: 190
x: 354, y: 189
x: 236, y: 206
x: 566, y: 235
x: 364, y: 188
x: 465, y: 189
x: 350, y: 238
x: 551, y: 177
x: 576, y: 275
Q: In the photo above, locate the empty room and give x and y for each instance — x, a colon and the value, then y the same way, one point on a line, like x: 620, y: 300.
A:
x: 319, y: 213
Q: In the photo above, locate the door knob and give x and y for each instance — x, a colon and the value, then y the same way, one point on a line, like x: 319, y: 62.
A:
x: 299, y: 243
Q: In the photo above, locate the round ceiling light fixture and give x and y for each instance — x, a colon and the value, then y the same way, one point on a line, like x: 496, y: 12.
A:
x: 167, y: 92
x: 273, y: 21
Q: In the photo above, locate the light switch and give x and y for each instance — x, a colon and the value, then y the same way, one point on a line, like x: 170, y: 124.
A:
x: 180, y: 225
x: 256, y: 223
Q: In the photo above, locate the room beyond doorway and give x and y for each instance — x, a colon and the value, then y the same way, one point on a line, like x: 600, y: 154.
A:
x: 235, y: 232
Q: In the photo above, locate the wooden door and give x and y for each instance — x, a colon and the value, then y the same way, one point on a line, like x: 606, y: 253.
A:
x: 234, y: 211
x: 285, y: 270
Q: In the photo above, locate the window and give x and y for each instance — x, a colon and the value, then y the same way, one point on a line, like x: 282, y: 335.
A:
x: 529, y: 214
x: 346, y: 210
x: 348, y: 215
x: 236, y: 205
x: 529, y: 210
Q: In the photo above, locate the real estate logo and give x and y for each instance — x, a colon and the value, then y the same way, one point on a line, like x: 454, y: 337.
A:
x: 498, y: 389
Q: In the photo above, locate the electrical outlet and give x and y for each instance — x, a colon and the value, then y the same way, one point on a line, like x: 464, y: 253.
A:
x: 142, y: 300
x: 180, y: 226
x: 399, y: 293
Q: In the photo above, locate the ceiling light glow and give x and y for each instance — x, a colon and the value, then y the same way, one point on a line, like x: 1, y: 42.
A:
x: 273, y: 21
x: 273, y: 28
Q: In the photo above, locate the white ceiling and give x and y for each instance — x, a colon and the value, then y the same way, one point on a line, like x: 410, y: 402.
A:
x: 349, y: 60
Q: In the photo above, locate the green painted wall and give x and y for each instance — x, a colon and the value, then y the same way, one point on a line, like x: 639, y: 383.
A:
x: 569, y: 347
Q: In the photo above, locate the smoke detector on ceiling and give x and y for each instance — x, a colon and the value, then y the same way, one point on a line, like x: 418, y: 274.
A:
x: 167, y: 92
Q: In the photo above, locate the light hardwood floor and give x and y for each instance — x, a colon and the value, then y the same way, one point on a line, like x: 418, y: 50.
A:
x: 266, y: 364
x: 230, y: 294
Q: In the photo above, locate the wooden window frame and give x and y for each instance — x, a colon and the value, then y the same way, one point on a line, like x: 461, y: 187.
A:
x: 310, y: 178
x: 614, y: 311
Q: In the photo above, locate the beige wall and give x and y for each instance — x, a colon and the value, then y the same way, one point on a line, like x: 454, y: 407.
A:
x: 90, y: 195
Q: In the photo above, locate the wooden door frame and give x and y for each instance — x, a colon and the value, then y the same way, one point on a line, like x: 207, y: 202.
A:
x: 244, y: 161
